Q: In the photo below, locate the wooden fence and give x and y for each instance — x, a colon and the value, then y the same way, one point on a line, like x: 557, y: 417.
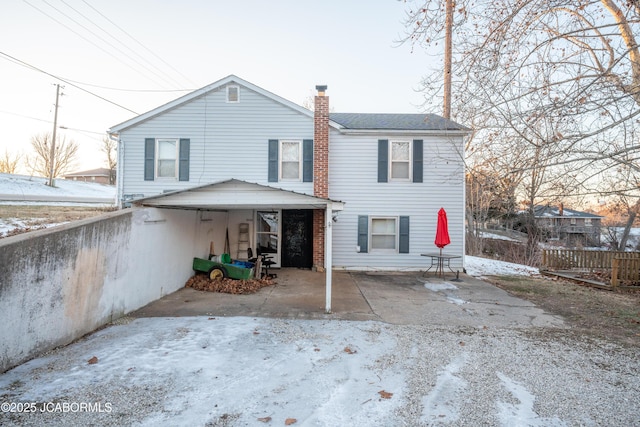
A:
x: 624, y: 266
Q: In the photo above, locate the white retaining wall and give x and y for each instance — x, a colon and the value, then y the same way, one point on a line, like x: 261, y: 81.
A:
x: 59, y: 284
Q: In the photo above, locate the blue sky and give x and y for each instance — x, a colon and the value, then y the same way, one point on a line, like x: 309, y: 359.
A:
x: 284, y: 46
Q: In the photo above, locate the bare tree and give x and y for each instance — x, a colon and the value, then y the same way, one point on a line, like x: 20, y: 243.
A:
x: 9, y: 163
x: 557, y: 82
x: 109, y: 148
x: 39, y: 161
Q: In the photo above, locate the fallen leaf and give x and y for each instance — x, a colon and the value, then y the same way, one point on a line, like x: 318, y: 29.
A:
x: 290, y: 421
x: 349, y: 351
x: 316, y: 349
x: 264, y: 419
x: 461, y: 343
x: 256, y: 333
x: 93, y: 360
x: 385, y: 394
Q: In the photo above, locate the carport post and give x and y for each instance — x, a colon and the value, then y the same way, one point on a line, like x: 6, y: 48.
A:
x: 328, y: 262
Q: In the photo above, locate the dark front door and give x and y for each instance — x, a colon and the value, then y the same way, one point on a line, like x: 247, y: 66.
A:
x: 297, y: 238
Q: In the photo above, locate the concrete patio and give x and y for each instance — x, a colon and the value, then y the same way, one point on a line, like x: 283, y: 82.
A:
x: 407, y: 298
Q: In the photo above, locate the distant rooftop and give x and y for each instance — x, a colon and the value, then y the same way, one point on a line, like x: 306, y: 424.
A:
x: 92, y: 172
x: 385, y: 121
x: 554, y: 211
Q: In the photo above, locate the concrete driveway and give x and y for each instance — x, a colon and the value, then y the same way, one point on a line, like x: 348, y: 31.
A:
x: 430, y: 352
x: 408, y: 298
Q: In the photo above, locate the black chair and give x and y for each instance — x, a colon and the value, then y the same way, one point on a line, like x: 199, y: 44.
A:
x: 267, y: 261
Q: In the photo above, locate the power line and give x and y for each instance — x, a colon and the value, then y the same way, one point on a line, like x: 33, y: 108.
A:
x: 131, y: 90
x: 26, y: 117
x: 140, y: 44
x: 168, y: 78
x: 24, y: 64
x: 86, y: 39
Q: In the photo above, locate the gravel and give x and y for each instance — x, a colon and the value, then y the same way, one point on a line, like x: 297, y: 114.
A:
x: 235, y: 371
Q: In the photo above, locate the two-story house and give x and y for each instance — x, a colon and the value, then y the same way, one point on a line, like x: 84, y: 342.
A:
x: 316, y: 190
x: 571, y: 226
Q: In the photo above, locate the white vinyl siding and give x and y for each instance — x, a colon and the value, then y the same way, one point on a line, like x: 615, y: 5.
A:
x: 226, y: 141
x: 356, y: 184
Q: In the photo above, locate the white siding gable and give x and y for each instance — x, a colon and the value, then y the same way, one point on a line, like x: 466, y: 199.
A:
x: 227, y: 140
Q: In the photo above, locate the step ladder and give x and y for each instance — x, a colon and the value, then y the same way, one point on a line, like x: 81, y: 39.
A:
x: 243, y: 241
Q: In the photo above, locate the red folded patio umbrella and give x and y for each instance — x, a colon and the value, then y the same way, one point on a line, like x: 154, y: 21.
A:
x: 442, y: 230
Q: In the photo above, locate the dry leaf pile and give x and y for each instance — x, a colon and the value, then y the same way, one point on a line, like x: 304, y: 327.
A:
x: 202, y: 282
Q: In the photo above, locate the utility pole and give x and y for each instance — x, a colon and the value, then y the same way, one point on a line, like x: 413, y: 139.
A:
x: 448, y: 24
x: 53, y: 140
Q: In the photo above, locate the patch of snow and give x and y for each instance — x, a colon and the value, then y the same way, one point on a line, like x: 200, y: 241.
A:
x: 442, y: 404
x: 522, y: 413
x: 480, y: 267
x: 486, y: 235
x: 11, y: 184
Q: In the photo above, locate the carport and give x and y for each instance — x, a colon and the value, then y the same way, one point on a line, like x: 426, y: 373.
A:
x: 235, y: 195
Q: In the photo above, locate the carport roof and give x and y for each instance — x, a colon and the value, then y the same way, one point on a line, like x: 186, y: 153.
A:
x: 237, y: 194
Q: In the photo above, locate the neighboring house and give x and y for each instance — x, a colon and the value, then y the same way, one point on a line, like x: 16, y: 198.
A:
x: 100, y: 175
x: 351, y: 191
x: 570, y: 226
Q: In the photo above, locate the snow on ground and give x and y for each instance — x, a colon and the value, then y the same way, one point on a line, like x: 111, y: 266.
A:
x: 32, y: 191
x: 480, y: 267
x: 33, y: 185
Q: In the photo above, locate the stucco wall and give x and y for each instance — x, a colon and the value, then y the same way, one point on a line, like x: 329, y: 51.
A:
x: 59, y: 284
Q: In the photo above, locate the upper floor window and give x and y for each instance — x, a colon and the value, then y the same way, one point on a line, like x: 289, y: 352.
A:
x: 587, y: 222
x: 290, y: 160
x: 167, y: 158
x: 233, y: 93
x: 400, y: 160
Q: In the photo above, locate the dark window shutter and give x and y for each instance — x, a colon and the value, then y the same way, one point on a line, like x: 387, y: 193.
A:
x: 183, y: 165
x: 403, y: 240
x: 273, y: 160
x: 383, y: 160
x: 363, y: 233
x: 149, y: 158
x: 417, y: 160
x: 307, y: 160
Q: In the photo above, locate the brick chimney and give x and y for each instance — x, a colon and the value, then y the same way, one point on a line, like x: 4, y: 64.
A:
x: 321, y: 144
x: 320, y: 172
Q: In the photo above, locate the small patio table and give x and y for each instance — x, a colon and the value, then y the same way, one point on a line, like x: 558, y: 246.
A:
x: 440, y: 261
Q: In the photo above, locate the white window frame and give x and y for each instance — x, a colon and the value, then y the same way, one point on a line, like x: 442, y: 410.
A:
x: 372, y: 234
x: 410, y: 161
x: 237, y: 89
x: 587, y: 222
x: 276, y: 257
x: 281, y: 151
x: 157, y: 158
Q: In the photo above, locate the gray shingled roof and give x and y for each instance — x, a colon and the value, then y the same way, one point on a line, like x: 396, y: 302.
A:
x: 376, y: 121
x: 554, y: 212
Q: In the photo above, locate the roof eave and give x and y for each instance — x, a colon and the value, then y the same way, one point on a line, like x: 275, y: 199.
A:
x: 448, y: 132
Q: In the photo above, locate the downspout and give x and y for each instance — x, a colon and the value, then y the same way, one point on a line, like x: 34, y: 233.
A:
x: 328, y: 254
x: 119, y: 168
